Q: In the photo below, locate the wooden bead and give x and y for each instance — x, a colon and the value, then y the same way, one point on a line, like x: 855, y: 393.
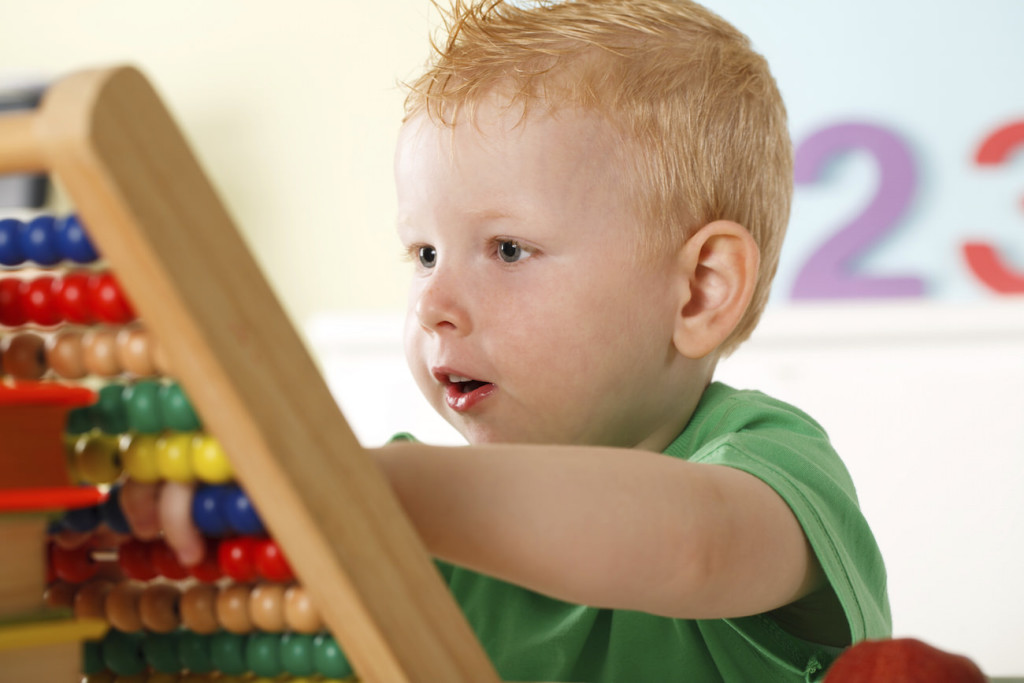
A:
x: 198, y: 609
x: 233, y: 609
x: 24, y: 356
x: 299, y: 612
x: 60, y: 594
x: 122, y: 607
x: 90, y: 599
x: 99, y: 351
x: 65, y: 354
x: 133, y: 351
x: 158, y: 608
x: 266, y: 607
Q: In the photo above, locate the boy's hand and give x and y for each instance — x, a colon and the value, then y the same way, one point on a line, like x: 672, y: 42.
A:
x: 166, y: 507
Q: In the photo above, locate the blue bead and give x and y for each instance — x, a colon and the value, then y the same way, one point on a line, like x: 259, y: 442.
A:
x: 207, y: 514
x: 82, y: 520
x: 38, y: 241
x: 239, y: 512
x: 111, y: 513
x: 73, y: 242
x: 10, y: 242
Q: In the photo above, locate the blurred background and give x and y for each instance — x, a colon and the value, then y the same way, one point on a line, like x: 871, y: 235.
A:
x: 898, y: 313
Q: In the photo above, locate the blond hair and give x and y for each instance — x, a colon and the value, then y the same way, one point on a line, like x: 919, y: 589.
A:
x: 680, y: 84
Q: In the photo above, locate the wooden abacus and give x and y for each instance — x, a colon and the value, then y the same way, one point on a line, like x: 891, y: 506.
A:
x: 110, y: 143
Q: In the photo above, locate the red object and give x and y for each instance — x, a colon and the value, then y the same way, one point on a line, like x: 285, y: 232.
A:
x: 50, y: 498
x: 39, y: 303
x: 107, y: 301
x: 208, y: 569
x: 136, y: 560
x: 71, y: 296
x: 902, y: 660
x: 165, y: 562
x: 74, y: 565
x: 236, y: 557
x: 12, y: 309
x: 271, y: 562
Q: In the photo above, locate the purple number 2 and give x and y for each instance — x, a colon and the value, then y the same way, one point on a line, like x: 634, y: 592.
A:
x: 831, y: 272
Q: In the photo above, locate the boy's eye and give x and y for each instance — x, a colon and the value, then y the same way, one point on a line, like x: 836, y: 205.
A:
x: 510, y: 251
x: 427, y: 256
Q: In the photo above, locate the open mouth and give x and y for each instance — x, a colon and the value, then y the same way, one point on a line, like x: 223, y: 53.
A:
x: 462, y: 393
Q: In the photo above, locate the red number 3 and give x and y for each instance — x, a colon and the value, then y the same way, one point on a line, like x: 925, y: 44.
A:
x: 982, y: 258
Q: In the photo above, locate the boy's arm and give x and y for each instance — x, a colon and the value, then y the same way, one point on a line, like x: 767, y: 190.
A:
x: 604, y: 527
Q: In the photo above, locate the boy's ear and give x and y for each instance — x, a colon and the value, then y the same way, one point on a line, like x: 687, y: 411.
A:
x: 718, y: 271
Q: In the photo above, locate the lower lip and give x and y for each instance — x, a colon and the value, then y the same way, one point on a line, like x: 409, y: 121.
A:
x: 461, y: 402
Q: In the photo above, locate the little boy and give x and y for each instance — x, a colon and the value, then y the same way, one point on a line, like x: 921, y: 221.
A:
x: 594, y: 195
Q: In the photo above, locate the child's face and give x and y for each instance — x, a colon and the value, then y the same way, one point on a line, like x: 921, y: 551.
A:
x: 528, y: 284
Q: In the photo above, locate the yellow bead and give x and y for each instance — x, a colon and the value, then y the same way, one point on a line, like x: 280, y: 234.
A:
x: 174, y: 457
x: 96, y: 459
x: 209, y: 461
x: 138, y: 453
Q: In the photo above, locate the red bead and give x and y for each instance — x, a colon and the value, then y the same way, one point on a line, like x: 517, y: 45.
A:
x: 165, y: 562
x: 136, y: 561
x: 39, y: 302
x: 271, y: 562
x: 71, y: 293
x: 236, y: 557
x: 208, y: 570
x: 107, y: 301
x: 74, y: 565
x: 12, y: 305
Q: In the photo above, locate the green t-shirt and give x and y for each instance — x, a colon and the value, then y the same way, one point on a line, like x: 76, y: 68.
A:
x: 531, y: 637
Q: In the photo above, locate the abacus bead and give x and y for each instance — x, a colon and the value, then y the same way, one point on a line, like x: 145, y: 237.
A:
x: 80, y: 421
x: 71, y: 297
x: 208, y: 570
x: 24, y: 356
x: 174, y: 457
x: 266, y: 607
x: 271, y: 563
x: 165, y: 562
x: 107, y: 300
x: 122, y: 607
x: 64, y: 354
x: 177, y: 410
x: 235, y: 556
x: 12, y: 303
x: 209, y: 460
x: 122, y: 653
x: 111, y: 513
x: 133, y: 353
x: 10, y: 242
x: 74, y: 565
x: 300, y: 613
x: 158, y: 608
x: 263, y: 653
x: 98, y: 351
x: 227, y: 650
x: 60, y: 594
x: 207, y: 514
x: 143, y: 407
x: 135, y: 560
x: 40, y: 301
x: 161, y: 653
x: 297, y: 654
x: 198, y: 607
x: 240, y: 513
x: 109, y: 411
x: 38, y: 241
x: 90, y: 599
x: 72, y: 241
x: 92, y: 663
x: 138, y: 452
x: 233, y: 608
x: 97, y: 460
x: 194, y: 651
x: 82, y: 520
x: 328, y: 658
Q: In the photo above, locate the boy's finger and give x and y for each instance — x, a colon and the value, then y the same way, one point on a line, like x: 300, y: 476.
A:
x: 139, y: 505
x: 176, y: 515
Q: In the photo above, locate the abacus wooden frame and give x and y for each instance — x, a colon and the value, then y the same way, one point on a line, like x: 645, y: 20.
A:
x: 159, y: 223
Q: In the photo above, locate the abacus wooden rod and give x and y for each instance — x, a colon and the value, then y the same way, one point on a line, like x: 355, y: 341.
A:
x: 160, y: 224
x: 20, y: 151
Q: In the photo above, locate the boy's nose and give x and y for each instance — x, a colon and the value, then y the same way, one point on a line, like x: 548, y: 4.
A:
x: 439, y: 308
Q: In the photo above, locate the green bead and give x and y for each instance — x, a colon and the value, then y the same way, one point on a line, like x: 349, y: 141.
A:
x: 263, y: 654
x: 92, y: 657
x: 328, y: 658
x: 297, y: 654
x: 142, y: 404
x: 194, y: 652
x: 228, y: 653
x: 161, y: 652
x: 109, y: 412
x: 177, y: 410
x: 122, y: 653
x: 80, y: 421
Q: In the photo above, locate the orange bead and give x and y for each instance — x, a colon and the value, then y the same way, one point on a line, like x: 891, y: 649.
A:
x: 65, y: 355
x: 90, y: 599
x: 233, y: 609
x: 198, y: 609
x: 266, y: 607
x: 24, y: 356
x: 99, y: 351
x: 158, y: 608
x: 133, y: 351
x: 122, y: 607
x: 299, y: 612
